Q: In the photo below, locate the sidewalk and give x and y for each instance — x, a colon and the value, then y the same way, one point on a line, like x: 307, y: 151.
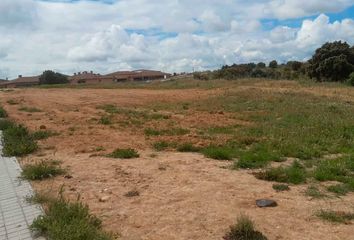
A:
x: 16, y: 215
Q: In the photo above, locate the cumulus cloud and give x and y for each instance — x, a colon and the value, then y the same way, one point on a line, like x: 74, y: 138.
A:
x: 168, y: 35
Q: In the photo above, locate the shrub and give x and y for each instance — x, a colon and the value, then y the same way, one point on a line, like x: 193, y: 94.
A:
x: 218, y: 153
x: 41, y: 170
x: 244, y: 230
x: 17, y: 140
x: 69, y: 221
x: 295, y: 174
x: 3, y: 113
x: 124, y: 153
x: 188, y: 147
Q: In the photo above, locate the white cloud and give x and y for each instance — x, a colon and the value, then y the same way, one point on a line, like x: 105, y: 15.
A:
x: 171, y: 35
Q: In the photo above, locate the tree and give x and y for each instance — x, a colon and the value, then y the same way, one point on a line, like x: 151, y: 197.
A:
x: 332, y: 62
x: 273, y: 64
x: 50, y: 77
x: 294, y: 65
x: 261, y: 65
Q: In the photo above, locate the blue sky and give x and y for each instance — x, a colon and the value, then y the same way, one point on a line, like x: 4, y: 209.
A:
x: 168, y: 35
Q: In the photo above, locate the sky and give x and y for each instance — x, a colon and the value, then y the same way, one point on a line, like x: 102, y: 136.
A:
x: 170, y: 35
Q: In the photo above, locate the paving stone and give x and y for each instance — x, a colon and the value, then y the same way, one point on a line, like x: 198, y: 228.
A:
x: 16, y: 215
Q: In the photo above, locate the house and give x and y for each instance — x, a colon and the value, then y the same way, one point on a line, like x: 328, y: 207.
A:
x: 20, y: 82
x: 120, y: 76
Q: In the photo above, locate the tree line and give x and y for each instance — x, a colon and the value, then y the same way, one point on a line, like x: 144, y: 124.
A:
x: 334, y: 61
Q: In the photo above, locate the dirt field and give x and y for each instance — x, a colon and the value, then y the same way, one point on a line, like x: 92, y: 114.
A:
x: 182, y: 195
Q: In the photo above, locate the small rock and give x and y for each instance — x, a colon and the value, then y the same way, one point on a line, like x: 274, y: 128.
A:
x: 42, y: 127
x: 73, y: 189
x: 104, y: 198
x: 68, y: 176
x: 132, y: 194
x: 264, y: 203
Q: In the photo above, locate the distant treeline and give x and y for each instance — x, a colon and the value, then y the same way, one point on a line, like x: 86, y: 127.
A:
x: 331, y: 62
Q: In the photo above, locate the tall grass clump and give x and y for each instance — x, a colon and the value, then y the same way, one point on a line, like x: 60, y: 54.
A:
x: 244, y: 230
x: 66, y: 220
x: 124, y: 153
x: 41, y: 170
x: 17, y: 140
x: 218, y: 152
x: 295, y: 174
x: 3, y: 113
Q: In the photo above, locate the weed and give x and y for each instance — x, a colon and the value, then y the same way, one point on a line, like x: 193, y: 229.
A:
x: 335, y: 216
x: 43, y: 134
x: 188, y: 147
x: 105, y: 120
x: 12, y: 102
x: 244, y: 230
x: 281, y: 187
x: 295, y: 174
x: 17, y: 140
x: 3, y: 113
x: 314, y: 192
x: 38, y: 198
x: 161, y: 145
x: 41, y: 170
x: 29, y: 109
x: 340, y: 189
x: 218, y: 153
x: 151, y: 132
x: 133, y: 193
x: 124, y: 153
x: 335, y: 169
x: 166, y: 132
x: 65, y: 220
x: 257, y: 157
x: 5, y: 124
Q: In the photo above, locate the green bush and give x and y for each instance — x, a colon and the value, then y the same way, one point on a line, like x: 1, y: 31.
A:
x: 244, y: 230
x: 124, y: 153
x: 106, y: 120
x: 17, y: 140
x: 41, y: 170
x: 69, y: 221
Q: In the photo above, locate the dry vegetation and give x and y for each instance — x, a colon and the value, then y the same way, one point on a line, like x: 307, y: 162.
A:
x: 198, y: 153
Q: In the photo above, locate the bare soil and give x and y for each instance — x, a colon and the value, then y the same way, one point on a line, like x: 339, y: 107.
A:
x: 182, y: 195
